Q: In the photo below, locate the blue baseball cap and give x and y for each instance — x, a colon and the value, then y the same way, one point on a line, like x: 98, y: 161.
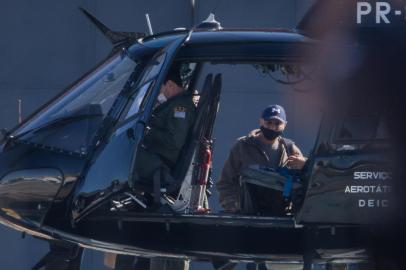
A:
x: 274, y: 112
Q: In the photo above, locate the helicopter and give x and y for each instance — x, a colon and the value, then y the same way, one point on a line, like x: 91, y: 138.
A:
x: 68, y: 169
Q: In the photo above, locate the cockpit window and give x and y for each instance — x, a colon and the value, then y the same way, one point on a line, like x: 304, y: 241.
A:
x: 147, y: 79
x: 137, y: 99
x: 153, y: 69
x: 71, y: 121
x: 361, y: 129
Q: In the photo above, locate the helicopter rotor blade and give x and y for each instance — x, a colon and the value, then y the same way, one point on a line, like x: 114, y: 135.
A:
x: 115, y: 37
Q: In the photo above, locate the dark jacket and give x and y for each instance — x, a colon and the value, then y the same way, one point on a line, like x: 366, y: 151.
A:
x: 244, y: 153
x: 169, y: 126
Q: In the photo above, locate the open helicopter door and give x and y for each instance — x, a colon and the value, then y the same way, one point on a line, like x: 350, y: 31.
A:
x: 110, y: 169
x: 349, y: 175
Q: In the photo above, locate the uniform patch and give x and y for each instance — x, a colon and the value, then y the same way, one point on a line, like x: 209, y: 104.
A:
x: 179, y: 112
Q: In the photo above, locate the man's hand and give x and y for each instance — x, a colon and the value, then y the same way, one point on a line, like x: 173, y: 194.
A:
x: 296, y: 162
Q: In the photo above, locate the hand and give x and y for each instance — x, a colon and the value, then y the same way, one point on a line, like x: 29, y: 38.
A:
x: 296, y: 162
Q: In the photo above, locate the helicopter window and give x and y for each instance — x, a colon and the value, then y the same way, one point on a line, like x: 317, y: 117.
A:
x: 146, y: 81
x: 137, y: 99
x: 361, y: 129
x: 71, y: 121
x: 186, y: 72
x: 357, y: 128
x: 153, y: 69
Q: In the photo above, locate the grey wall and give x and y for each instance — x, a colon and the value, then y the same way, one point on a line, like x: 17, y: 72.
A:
x: 47, y: 44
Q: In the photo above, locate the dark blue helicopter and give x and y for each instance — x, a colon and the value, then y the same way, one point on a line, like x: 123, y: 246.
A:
x: 67, y: 172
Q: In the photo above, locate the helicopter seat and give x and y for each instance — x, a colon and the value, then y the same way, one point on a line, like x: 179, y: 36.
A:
x: 197, y: 139
x: 192, y: 139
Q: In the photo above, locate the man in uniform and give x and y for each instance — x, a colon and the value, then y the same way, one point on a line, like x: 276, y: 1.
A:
x: 263, y: 146
x: 171, y: 120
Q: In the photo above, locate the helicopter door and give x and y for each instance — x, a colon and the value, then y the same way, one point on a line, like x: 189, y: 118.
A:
x: 349, y: 174
x: 109, y: 171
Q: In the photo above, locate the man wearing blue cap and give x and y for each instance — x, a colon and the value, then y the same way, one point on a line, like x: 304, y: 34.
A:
x: 264, y: 146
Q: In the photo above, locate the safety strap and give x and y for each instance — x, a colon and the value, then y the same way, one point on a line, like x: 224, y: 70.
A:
x: 287, y: 188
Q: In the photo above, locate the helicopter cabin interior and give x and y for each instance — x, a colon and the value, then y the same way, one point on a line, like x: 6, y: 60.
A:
x: 228, y: 109
x: 218, y: 127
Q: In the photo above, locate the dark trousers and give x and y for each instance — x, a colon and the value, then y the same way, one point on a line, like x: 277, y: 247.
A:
x: 61, y: 256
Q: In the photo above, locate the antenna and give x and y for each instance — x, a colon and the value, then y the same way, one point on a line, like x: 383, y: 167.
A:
x: 210, y: 23
x: 20, y: 118
x: 210, y: 18
x: 193, y: 5
x: 149, y: 24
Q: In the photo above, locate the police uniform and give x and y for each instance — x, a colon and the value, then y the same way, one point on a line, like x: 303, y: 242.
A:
x: 168, y: 129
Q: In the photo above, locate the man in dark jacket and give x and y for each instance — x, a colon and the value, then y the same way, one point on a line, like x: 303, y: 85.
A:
x: 171, y: 120
x: 263, y: 146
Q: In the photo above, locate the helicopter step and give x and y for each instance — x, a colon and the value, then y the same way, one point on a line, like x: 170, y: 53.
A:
x: 207, y: 219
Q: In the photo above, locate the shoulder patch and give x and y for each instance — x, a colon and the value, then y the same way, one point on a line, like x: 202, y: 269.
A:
x: 179, y: 112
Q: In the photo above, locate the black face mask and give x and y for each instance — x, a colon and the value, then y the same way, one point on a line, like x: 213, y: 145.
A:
x: 270, y: 134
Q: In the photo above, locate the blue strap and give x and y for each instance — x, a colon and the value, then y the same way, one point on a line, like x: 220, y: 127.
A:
x: 287, y: 188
